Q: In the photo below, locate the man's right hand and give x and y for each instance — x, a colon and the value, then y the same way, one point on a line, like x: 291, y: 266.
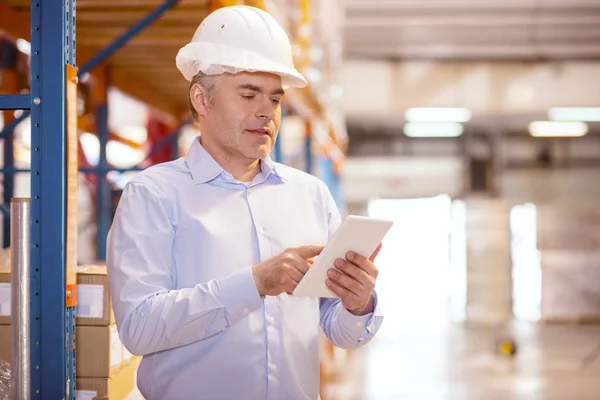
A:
x: 283, y: 272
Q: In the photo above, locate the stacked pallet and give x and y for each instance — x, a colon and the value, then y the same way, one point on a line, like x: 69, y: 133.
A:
x: 569, y: 246
x: 488, y: 259
x: 104, y: 368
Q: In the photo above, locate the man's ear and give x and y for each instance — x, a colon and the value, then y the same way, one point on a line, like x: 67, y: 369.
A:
x: 199, y: 98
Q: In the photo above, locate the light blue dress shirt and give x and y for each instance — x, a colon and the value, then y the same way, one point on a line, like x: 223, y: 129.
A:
x: 180, y: 252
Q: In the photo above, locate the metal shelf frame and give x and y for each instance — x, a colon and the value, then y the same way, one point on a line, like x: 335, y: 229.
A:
x: 52, y: 35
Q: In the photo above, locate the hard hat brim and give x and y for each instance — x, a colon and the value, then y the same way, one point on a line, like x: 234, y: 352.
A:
x: 214, y: 59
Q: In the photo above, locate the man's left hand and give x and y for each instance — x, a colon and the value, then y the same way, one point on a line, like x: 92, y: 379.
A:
x: 355, y: 281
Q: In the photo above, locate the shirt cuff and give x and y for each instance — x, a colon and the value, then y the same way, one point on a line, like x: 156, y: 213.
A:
x: 239, y: 295
x: 362, y: 326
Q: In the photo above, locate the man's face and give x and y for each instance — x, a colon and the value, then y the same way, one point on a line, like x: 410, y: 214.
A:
x: 243, y: 114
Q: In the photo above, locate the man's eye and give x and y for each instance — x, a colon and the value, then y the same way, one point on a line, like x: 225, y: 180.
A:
x: 248, y: 96
x: 276, y: 101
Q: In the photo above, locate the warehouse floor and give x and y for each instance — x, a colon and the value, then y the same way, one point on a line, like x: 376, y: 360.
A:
x: 554, y: 362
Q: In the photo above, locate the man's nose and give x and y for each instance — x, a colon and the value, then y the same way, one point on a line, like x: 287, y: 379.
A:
x: 266, y: 110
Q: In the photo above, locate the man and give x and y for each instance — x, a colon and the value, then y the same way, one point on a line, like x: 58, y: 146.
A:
x: 204, y: 251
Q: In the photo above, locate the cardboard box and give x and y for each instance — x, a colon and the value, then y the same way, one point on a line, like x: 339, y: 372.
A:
x: 117, y: 387
x: 5, y: 297
x: 5, y: 342
x: 100, y: 353
x: 5, y: 259
x: 94, y: 305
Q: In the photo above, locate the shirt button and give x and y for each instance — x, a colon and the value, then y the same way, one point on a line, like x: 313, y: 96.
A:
x: 246, y: 311
x: 272, y: 367
x: 359, y: 324
x: 270, y: 320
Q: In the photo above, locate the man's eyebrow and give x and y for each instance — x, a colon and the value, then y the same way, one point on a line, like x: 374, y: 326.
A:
x: 257, y: 89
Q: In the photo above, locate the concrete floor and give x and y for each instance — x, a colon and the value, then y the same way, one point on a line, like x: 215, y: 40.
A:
x: 461, y: 362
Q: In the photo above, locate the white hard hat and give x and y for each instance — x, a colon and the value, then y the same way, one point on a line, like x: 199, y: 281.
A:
x: 240, y: 38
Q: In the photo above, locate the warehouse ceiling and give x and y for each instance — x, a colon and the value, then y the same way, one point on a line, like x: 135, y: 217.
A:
x: 145, y: 66
x: 472, y: 29
x: 506, y: 60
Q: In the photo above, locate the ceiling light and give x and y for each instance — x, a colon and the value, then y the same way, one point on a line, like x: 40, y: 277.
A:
x: 433, y: 129
x: 557, y: 129
x: 432, y: 114
x: 574, y: 114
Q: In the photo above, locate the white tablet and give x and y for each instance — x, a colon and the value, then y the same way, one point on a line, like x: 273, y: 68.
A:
x: 359, y: 234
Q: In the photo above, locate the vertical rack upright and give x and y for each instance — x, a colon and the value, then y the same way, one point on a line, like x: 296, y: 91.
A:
x: 52, y: 330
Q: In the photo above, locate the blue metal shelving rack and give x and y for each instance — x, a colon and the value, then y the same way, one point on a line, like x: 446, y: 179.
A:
x: 103, y: 202
x: 52, y: 48
x: 52, y: 36
x: 52, y: 331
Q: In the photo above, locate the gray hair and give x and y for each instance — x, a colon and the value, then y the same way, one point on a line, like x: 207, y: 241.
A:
x: 208, y: 82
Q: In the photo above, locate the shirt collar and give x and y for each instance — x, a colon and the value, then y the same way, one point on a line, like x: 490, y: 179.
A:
x: 268, y: 167
x: 204, y: 168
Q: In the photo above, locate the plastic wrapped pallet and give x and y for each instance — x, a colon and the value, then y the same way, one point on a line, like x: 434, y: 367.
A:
x: 4, y: 380
x: 562, y: 227
x: 568, y: 239
x: 488, y: 258
x: 570, y: 290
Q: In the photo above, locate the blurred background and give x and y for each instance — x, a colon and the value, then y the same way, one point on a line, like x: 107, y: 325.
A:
x: 474, y: 125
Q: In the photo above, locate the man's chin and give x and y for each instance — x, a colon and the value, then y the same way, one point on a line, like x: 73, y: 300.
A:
x: 259, y: 153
